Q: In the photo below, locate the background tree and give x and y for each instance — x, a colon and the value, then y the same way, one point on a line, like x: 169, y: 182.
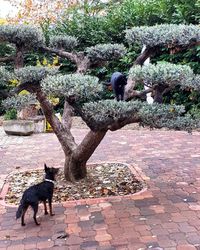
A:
x: 82, y: 92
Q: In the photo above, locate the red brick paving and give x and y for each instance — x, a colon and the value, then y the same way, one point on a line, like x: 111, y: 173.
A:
x: 165, y: 216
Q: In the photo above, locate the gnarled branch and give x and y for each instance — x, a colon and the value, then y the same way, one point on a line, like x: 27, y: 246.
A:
x: 61, y: 53
x: 7, y: 59
x: 64, y: 136
x: 89, y: 144
x: 121, y: 123
x: 82, y: 62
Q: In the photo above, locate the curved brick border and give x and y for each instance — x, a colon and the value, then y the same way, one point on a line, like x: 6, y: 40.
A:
x: 135, y: 170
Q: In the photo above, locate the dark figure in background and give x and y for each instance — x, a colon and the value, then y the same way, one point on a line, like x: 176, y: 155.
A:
x: 118, y: 82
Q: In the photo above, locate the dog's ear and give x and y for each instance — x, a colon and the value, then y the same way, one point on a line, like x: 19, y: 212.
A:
x: 45, y: 167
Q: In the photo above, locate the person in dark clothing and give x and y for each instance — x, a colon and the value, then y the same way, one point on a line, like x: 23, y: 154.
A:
x: 118, y: 82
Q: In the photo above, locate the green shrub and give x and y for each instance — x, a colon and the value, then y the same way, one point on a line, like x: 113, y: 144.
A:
x: 11, y: 114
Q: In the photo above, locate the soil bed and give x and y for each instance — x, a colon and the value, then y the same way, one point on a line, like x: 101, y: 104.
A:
x: 103, y: 180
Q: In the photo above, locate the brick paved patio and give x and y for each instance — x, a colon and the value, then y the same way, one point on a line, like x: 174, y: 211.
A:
x: 165, y: 216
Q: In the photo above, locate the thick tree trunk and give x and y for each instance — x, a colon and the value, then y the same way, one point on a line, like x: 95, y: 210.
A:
x: 76, y: 156
x: 74, y: 169
x: 75, y: 161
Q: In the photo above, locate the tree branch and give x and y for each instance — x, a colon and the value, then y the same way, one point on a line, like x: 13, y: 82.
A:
x: 121, y: 123
x: 148, y: 52
x: 175, y: 49
x: 67, y: 55
x: 19, y: 57
x: 130, y: 93
x: 7, y: 59
x: 64, y: 136
x: 139, y: 94
x: 67, y: 116
x: 88, y: 145
x: 111, y: 122
x: 82, y: 62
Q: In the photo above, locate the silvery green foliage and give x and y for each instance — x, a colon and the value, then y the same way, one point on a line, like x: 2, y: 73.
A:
x: 80, y: 87
x: 101, y: 114
x: 106, y: 52
x: 161, y: 73
x: 33, y: 74
x: 19, y: 101
x: 25, y: 35
x: 194, y: 83
x: 63, y: 42
x: 168, y: 116
x: 5, y: 76
x: 164, y: 34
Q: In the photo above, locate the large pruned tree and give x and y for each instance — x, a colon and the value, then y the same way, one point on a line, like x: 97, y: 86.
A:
x: 82, y: 92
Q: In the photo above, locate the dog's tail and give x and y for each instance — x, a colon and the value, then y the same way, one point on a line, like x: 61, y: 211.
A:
x: 19, y: 211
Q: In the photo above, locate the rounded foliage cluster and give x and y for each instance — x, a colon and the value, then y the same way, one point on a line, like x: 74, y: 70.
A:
x: 168, y: 116
x: 164, y: 34
x: 33, y: 74
x: 5, y: 76
x: 194, y: 83
x: 80, y: 87
x: 106, y: 52
x: 22, y: 35
x: 162, y: 73
x: 63, y: 42
x: 19, y: 102
x: 101, y: 114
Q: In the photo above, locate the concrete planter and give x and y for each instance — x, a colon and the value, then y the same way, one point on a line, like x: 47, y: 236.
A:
x: 39, y: 123
x: 18, y: 127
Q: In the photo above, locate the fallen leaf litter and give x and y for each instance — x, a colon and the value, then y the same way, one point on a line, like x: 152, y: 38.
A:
x: 103, y: 180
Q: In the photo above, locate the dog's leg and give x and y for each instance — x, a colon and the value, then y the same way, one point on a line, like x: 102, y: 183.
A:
x: 50, y: 207
x: 23, y: 214
x: 35, y: 209
x: 45, y: 207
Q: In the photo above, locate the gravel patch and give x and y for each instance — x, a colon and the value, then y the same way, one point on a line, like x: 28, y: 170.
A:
x: 103, y: 180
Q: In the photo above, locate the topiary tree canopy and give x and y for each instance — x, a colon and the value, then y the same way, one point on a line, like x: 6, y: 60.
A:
x: 173, y: 37
x: 24, y: 38
x: 82, y: 92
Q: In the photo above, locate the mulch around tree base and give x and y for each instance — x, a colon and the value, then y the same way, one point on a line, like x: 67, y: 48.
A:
x: 103, y: 180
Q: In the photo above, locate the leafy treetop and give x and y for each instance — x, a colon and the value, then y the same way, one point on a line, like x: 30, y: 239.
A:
x: 64, y: 42
x: 162, y: 73
x: 22, y: 35
x: 78, y: 87
x: 171, y: 35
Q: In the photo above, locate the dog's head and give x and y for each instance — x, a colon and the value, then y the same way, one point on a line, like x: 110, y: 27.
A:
x: 50, y: 173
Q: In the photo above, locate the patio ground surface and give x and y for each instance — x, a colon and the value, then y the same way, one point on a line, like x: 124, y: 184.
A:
x: 165, y: 216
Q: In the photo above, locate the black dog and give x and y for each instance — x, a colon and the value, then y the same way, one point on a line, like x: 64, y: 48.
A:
x: 40, y: 192
x: 118, y: 82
